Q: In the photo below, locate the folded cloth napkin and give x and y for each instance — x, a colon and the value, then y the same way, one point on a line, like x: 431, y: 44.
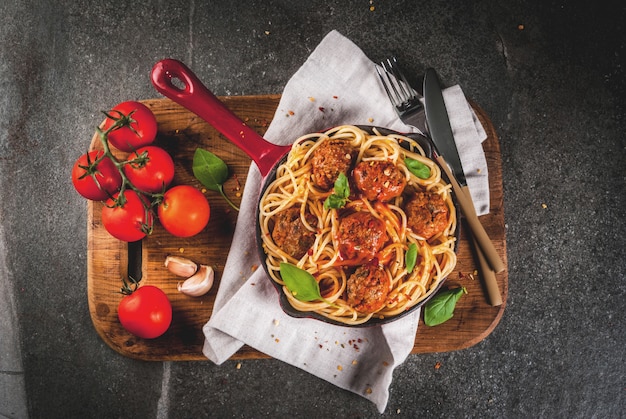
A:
x: 336, y: 85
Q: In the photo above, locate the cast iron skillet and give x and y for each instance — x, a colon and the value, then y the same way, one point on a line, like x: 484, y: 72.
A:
x: 176, y: 81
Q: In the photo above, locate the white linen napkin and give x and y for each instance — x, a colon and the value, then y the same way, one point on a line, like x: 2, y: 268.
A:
x: 336, y: 85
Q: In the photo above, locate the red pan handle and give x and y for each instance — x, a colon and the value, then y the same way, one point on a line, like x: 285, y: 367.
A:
x: 194, y: 96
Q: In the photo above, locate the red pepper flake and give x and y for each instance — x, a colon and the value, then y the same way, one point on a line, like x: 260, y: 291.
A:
x: 335, y: 97
x: 237, y: 183
x: 321, y: 108
x: 290, y: 113
x: 437, y: 365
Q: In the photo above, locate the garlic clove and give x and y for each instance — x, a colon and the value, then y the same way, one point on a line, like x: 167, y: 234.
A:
x: 180, y: 266
x: 199, y: 284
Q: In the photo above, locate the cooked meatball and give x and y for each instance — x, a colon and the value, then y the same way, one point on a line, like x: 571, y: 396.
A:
x: 427, y: 214
x: 368, y: 288
x: 379, y: 180
x: 360, y: 236
x: 291, y: 235
x: 328, y: 160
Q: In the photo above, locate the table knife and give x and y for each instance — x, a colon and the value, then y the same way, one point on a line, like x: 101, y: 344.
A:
x: 438, y: 125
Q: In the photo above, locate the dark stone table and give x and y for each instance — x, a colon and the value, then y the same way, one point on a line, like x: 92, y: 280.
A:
x: 549, y: 74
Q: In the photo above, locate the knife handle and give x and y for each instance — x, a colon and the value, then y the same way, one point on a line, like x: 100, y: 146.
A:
x: 478, y: 231
x: 487, y: 274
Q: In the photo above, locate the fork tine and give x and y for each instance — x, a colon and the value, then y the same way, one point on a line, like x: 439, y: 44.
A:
x: 387, y: 82
x: 396, y: 85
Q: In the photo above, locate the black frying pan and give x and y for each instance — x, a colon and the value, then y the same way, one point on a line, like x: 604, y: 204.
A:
x: 176, y: 81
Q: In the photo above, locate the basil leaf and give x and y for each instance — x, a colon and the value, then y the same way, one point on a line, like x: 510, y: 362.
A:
x: 209, y: 169
x: 342, y: 187
x: 300, y: 283
x: 212, y: 172
x: 340, y: 195
x: 333, y: 201
x: 410, y: 257
x: 418, y: 168
x: 440, y: 308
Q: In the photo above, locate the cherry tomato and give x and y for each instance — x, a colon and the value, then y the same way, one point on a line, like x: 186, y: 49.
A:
x: 138, y: 126
x: 151, y: 170
x: 146, y: 312
x: 95, y: 181
x: 127, y: 219
x: 184, y: 211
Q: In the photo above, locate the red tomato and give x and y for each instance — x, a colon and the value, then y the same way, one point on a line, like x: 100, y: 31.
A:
x: 130, y: 221
x: 184, y: 211
x: 151, y: 170
x: 138, y: 126
x: 146, y: 313
x: 95, y: 182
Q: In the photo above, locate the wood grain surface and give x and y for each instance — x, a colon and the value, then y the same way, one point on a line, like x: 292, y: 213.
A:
x: 180, y: 133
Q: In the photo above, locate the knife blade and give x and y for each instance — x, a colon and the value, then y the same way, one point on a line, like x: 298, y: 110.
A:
x: 439, y: 128
x: 439, y: 124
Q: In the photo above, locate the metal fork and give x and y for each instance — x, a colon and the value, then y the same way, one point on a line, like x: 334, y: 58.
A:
x: 404, y: 98
x: 411, y: 111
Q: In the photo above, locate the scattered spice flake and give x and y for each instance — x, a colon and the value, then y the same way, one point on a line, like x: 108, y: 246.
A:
x: 520, y: 26
x: 238, y: 365
x: 276, y: 322
x: 478, y: 170
x: 544, y: 206
x: 237, y: 183
x: 311, y: 98
x: 339, y: 367
x: 181, y: 250
x: 354, y: 362
x: 267, y: 32
x: 385, y: 363
x: 254, y: 268
x: 368, y: 390
x: 370, y: 120
x: 437, y: 365
x: 277, y: 340
x: 290, y: 113
x: 335, y: 97
x: 322, y: 109
x: 372, y: 8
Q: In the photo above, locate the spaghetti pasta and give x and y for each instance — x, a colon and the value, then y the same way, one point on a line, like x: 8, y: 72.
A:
x: 326, y: 259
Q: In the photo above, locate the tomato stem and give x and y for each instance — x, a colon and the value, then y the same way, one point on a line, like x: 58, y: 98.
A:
x: 128, y: 289
x: 140, y: 159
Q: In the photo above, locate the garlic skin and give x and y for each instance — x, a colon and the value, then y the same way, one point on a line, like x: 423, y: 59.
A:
x: 180, y: 266
x: 199, y: 284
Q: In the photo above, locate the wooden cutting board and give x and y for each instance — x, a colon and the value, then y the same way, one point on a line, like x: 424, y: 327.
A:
x: 180, y: 133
